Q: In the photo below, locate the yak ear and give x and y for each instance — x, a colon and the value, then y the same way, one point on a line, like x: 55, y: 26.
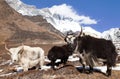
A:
x: 21, y: 50
x: 8, y: 52
x: 83, y: 34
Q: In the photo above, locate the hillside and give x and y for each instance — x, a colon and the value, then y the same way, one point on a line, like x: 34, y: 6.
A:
x: 14, y: 28
x: 44, y: 24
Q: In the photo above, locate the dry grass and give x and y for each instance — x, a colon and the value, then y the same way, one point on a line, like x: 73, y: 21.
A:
x: 67, y: 72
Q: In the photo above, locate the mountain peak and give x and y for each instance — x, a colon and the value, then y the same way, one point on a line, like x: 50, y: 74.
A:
x: 63, y: 17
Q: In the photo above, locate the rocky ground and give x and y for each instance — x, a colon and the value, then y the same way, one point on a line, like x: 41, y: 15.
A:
x: 70, y: 71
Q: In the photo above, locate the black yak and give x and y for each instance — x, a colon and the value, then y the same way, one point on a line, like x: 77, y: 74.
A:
x: 92, y: 49
x: 60, y: 52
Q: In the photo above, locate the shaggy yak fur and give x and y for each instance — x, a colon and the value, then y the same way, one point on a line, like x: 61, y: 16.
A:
x: 92, y: 49
x: 60, y: 52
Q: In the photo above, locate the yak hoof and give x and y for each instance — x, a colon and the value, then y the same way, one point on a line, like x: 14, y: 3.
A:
x: 83, y: 71
x: 108, y: 73
x: 90, y: 72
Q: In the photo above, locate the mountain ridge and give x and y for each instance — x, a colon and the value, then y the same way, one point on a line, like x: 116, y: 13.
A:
x: 62, y: 21
x: 16, y: 29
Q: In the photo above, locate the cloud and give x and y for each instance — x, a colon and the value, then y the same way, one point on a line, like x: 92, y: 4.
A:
x: 68, y: 11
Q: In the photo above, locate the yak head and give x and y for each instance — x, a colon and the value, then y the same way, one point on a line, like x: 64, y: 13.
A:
x: 72, y: 38
x: 14, y: 53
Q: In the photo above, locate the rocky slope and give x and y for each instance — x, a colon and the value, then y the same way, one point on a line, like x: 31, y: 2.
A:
x: 44, y: 24
x: 14, y: 28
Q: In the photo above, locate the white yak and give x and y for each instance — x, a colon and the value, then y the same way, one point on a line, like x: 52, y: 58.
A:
x: 27, y: 57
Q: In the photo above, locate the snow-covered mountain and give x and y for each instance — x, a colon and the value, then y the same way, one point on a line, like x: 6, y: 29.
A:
x: 22, y: 8
x: 114, y: 35
x: 64, y: 18
x: 92, y: 32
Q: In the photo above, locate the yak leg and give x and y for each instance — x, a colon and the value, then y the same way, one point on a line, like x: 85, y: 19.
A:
x: 25, y: 68
x: 35, y: 63
x: 37, y: 67
x: 41, y: 64
x: 53, y: 64
x: 83, y: 64
x: 64, y: 60
x: 91, y: 63
x: 109, y: 69
x: 82, y: 61
x: 91, y: 69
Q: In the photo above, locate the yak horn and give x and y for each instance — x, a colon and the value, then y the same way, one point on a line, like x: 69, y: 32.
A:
x: 81, y: 32
x: 6, y: 47
x: 7, y: 50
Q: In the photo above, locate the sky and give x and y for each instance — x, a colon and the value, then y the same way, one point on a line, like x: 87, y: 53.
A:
x: 105, y: 12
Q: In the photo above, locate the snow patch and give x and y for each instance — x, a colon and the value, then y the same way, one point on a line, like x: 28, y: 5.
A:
x: 72, y: 58
x: 100, y: 68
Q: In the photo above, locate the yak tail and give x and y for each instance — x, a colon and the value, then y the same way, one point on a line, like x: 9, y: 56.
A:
x: 114, y: 58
